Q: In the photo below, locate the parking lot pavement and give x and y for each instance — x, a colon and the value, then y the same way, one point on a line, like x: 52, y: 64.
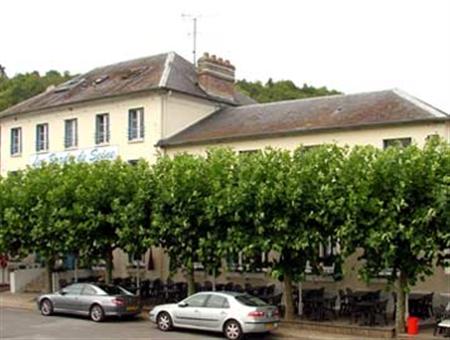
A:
x: 25, y: 324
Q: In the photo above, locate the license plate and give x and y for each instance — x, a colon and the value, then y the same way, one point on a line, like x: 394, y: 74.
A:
x: 270, y: 325
x: 131, y: 308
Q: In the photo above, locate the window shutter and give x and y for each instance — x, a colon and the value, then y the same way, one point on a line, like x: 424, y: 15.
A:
x: 97, y: 126
x: 12, y: 142
x: 37, y: 137
x: 130, y: 113
x: 107, y: 127
x: 76, y: 131
x: 66, y: 133
x: 47, y: 137
x: 141, y: 118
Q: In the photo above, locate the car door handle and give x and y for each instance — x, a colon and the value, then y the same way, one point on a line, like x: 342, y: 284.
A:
x: 196, y: 311
x: 223, y: 313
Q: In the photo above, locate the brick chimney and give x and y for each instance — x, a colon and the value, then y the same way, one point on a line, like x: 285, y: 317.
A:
x: 216, y: 76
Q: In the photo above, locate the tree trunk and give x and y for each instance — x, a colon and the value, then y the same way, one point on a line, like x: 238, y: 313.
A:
x: 109, y: 266
x: 138, y: 278
x: 75, y: 270
x: 190, y: 281
x: 288, y: 298
x: 49, y: 269
x: 400, y: 309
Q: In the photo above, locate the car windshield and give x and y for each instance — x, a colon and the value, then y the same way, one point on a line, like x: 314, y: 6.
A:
x: 249, y: 300
x: 113, y: 290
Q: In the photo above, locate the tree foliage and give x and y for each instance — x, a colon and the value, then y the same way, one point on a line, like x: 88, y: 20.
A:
x: 396, y: 213
x: 280, y: 90
x: 23, y: 86
x: 290, y: 204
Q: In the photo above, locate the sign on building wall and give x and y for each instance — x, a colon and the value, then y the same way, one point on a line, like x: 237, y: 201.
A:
x: 83, y: 155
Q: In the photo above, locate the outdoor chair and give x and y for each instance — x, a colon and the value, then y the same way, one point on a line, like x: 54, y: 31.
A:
x: 442, y: 325
x: 329, y: 309
x: 248, y: 288
x: 345, y: 306
x: 145, y: 289
x: 275, y: 300
x: 181, y: 290
x: 238, y: 288
x: 229, y: 286
x: 373, y: 296
x: 207, y: 286
x: 381, y: 311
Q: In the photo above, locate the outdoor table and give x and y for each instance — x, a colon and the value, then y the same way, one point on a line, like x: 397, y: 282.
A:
x: 443, y: 327
x: 317, y: 305
x: 359, y: 295
x: 368, y: 310
x: 418, y: 306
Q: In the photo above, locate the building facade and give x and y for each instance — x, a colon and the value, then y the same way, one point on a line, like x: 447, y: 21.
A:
x: 163, y: 104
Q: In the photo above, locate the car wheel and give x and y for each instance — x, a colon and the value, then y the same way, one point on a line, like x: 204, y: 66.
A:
x: 46, y: 307
x: 97, y: 314
x: 232, y: 330
x: 164, y: 321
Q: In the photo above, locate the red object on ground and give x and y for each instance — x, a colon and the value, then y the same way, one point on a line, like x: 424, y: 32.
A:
x: 413, y: 325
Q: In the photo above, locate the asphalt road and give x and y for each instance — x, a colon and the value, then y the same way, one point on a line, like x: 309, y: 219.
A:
x: 24, y: 324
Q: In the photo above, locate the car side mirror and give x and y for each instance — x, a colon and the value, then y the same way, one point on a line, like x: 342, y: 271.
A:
x: 62, y: 292
x: 182, y: 304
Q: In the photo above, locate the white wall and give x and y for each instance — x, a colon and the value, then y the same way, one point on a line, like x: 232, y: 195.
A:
x: 367, y: 136
x: 20, y: 278
x: 85, y: 114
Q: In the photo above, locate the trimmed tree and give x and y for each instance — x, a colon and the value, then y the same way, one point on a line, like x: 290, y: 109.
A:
x: 179, y: 221
x: 291, y: 205
x: 135, y: 216
x: 105, y: 190
x: 394, y: 199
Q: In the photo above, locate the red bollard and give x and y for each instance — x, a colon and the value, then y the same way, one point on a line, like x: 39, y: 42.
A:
x: 413, y: 325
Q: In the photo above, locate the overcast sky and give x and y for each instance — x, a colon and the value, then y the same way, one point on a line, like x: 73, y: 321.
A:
x: 349, y: 45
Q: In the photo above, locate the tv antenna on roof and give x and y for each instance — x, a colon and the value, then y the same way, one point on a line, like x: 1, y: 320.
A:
x: 194, y: 19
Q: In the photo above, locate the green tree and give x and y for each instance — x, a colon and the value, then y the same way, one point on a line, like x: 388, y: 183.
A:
x: 101, y: 198
x: 290, y: 205
x: 179, y: 221
x: 35, y: 220
x: 280, y: 90
x: 220, y: 207
x: 135, y: 215
x: 395, y: 224
x: 23, y: 86
x: 13, y: 204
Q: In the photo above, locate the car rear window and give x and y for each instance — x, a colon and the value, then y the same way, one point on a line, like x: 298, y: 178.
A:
x: 114, y: 290
x: 249, y: 300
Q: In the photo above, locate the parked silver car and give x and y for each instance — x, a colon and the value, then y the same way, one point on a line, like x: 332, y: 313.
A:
x: 94, y: 300
x: 234, y: 314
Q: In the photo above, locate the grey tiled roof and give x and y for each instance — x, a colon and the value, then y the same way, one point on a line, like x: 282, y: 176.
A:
x: 164, y: 71
x: 307, y: 115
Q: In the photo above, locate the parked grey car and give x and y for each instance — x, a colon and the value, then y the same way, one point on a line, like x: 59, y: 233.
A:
x: 94, y: 300
x: 234, y: 314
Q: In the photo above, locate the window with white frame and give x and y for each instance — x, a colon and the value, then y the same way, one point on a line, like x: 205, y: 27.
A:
x: 136, y: 124
x: 239, y: 262
x: 102, y: 128
x: 398, y: 142
x: 70, y: 133
x: 42, y: 137
x: 16, y: 141
x: 327, y: 253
